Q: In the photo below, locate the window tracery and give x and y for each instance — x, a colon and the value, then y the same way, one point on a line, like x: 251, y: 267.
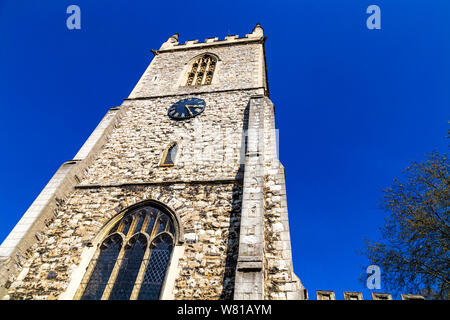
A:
x: 132, y: 260
x: 202, y: 71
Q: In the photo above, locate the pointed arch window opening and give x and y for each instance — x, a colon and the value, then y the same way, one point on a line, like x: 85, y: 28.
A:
x: 133, y: 265
x: 104, y: 264
x: 169, y: 155
x: 202, y: 71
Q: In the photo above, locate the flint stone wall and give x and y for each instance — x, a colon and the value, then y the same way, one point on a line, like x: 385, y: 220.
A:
x: 239, y: 66
x: 209, y: 146
x: 211, y: 212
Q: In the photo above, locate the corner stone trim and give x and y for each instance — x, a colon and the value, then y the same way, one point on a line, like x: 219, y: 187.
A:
x: 249, y: 283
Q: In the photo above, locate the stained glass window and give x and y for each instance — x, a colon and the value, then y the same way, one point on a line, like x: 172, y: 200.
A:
x: 202, y: 71
x: 132, y: 261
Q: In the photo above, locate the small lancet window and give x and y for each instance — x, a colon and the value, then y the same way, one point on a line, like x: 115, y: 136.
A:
x: 168, y: 159
x: 202, y: 71
x: 132, y: 261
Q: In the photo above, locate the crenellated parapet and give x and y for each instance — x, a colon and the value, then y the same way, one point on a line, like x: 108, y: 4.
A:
x: 351, y: 295
x: 172, y: 43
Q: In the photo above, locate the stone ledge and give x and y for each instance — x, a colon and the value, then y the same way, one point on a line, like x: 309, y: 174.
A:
x: 157, y: 96
x: 249, y: 266
x: 152, y: 183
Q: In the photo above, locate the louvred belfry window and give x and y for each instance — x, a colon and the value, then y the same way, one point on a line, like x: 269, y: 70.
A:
x: 131, y: 262
x: 202, y: 71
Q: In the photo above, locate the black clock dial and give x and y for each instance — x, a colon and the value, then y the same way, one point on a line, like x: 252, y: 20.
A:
x: 186, y: 108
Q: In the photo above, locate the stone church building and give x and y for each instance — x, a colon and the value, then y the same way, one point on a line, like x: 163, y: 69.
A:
x: 177, y: 194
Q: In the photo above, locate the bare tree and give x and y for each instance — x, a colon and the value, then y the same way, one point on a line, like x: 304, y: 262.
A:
x: 414, y: 248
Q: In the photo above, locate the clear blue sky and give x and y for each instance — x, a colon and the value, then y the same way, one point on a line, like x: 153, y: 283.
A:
x: 354, y: 107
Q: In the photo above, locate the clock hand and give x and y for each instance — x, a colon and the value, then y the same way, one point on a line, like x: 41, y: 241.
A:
x: 187, y: 107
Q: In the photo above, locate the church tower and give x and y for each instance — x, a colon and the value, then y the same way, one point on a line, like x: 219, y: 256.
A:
x: 177, y: 194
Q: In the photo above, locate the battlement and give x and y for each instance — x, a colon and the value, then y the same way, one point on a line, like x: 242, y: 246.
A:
x: 172, y: 43
x: 350, y: 295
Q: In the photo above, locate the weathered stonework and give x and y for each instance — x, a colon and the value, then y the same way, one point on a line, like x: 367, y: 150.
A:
x: 226, y: 188
x: 210, y: 147
x: 46, y: 273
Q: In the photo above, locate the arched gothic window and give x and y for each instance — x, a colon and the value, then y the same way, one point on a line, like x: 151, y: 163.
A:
x: 131, y: 262
x: 202, y: 71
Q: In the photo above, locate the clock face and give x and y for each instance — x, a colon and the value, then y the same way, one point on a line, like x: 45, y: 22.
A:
x: 186, y: 108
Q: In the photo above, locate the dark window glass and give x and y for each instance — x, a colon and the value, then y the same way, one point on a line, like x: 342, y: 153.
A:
x: 171, y: 229
x: 170, y: 155
x: 129, y: 268
x: 141, y: 218
x: 127, y: 223
x: 150, y: 224
x: 162, y: 221
x: 156, y: 268
x: 103, y: 266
